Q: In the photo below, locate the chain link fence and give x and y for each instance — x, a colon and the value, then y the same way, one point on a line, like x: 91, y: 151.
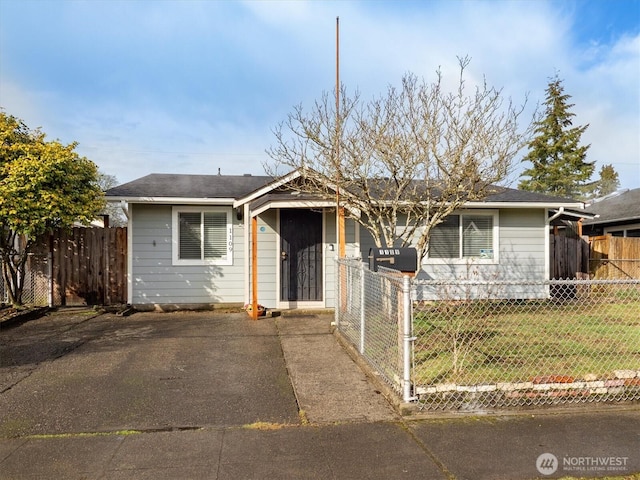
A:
x: 371, y: 316
x: 36, y: 283
x: 485, y: 345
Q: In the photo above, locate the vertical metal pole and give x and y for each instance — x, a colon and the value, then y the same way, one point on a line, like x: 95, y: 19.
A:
x: 337, y: 309
x: 339, y: 209
x: 337, y: 66
x: 362, y: 308
x: 50, y: 273
x: 408, y: 339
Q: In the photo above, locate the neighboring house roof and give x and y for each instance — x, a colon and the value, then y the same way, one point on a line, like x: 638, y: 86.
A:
x: 618, y: 207
x: 180, y: 188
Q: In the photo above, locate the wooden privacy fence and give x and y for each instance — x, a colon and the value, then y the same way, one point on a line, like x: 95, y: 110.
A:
x: 604, y: 257
x: 614, y: 257
x: 84, y: 266
x: 569, y: 257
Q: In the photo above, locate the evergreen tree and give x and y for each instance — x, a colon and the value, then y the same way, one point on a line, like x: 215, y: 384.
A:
x: 609, y: 181
x: 558, y: 160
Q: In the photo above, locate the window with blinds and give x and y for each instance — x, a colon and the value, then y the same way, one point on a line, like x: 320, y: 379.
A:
x: 202, y: 236
x: 477, y: 236
x: 462, y: 236
x: 190, y: 236
x: 215, y: 234
x: 444, y: 241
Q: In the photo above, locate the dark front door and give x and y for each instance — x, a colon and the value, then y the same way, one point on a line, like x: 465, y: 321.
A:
x: 300, y: 255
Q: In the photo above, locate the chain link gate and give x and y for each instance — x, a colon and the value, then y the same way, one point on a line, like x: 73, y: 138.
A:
x: 373, y: 316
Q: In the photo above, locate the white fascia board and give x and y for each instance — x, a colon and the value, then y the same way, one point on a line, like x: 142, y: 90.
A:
x: 292, y: 204
x: 172, y: 200
x: 577, y: 206
x: 494, y: 205
x: 267, y: 188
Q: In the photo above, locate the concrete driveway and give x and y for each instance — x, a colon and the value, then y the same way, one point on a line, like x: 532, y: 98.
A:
x: 75, y: 371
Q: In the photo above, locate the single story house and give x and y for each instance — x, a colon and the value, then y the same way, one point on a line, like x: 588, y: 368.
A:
x: 618, y: 214
x: 190, y: 240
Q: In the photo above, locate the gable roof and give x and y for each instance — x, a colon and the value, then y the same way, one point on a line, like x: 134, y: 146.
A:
x: 618, y: 207
x: 238, y: 189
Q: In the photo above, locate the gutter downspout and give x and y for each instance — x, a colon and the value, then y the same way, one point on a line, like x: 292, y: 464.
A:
x: 547, y: 253
x: 556, y: 215
x: 125, y: 210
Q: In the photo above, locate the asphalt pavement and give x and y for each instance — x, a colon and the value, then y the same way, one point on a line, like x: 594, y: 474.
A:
x: 209, y: 395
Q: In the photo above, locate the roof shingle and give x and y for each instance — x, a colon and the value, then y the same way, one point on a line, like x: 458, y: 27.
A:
x: 160, y: 185
x: 622, y: 206
x: 190, y: 186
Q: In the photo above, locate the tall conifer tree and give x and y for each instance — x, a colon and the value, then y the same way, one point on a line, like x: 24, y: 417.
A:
x: 609, y: 181
x: 558, y: 160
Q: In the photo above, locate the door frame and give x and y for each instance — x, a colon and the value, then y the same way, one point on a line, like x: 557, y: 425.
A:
x: 300, y: 304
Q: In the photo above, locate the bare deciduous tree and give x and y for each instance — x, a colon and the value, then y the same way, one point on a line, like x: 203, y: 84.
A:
x: 403, y: 161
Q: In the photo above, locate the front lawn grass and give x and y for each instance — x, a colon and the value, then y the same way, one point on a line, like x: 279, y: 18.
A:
x: 502, y: 341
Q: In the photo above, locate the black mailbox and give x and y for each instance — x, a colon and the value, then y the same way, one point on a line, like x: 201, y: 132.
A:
x: 402, y: 259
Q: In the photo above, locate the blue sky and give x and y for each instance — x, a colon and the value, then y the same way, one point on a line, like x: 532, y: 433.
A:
x: 197, y: 86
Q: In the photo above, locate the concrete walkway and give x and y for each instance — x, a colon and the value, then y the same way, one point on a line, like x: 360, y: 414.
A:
x: 209, y: 395
x: 327, y: 386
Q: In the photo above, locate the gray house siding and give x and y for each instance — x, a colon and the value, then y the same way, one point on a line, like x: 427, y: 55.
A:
x: 521, y: 247
x: 330, y: 257
x: 366, y: 243
x: 156, y: 281
x: 352, y: 249
x: 268, y: 255
x: 523, y: 236
x: 522, y: 257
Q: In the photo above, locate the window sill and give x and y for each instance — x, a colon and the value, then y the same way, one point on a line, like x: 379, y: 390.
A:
x: 202, y: 263
x: 461, y: 261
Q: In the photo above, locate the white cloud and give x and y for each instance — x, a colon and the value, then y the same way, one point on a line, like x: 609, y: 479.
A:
x: 607, y: 97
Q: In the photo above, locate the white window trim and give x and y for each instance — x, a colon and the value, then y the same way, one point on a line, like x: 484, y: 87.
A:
x: 476, y: 260
x: 621, y: 228
x: 175, y: 228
